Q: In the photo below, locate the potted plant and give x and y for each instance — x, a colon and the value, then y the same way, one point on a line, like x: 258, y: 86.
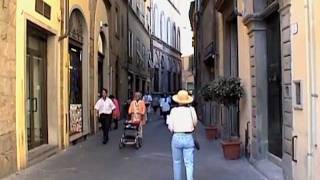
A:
x: 211, y: 129
x: 227, y: 92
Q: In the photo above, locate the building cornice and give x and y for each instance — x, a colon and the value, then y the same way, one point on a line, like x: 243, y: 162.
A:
x: 259, y: 16
x: 255, y: 21
x: 174, y: 7
x: 166, y: 45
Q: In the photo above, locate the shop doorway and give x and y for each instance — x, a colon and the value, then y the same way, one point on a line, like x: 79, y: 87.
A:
x: 36, y: 88
x: 79, y: 77
x: 76, y: 120
x: 274, y: 85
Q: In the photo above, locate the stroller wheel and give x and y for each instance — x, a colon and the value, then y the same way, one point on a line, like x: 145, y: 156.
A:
x: 137, y: 145
x: 121, y: 145
x: 140, y: 141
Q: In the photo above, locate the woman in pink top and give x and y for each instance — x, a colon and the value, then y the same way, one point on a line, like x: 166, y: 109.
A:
x: 116, y: 112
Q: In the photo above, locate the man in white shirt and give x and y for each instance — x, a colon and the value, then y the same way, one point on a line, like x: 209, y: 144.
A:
x: 104, y: 108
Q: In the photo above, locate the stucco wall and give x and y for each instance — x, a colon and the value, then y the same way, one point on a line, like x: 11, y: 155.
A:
x: 301, y: 72
x: 244, y: 74
x: 7, y: 87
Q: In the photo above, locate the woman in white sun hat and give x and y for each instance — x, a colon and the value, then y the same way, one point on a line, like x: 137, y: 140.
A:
x: 182, y: 122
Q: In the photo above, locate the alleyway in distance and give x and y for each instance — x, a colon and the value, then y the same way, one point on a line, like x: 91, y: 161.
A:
x: 90, y: 160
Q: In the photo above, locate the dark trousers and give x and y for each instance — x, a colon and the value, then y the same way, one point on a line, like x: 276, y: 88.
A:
x: 105, y: 120
x: 155, y: 108
x: 115, y: 121
x: 165, y: 114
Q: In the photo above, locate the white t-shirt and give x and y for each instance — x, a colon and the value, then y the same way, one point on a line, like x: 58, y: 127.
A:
x: 165, y: 105
x: 104, y: 106
x: 182, y: 119
x: 147, y: 99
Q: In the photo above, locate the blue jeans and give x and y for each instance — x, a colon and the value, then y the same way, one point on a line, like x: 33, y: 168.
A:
x: 182, y: 146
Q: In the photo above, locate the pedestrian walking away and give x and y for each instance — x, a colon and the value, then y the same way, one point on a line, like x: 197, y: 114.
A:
x: 182, y: 122
x: 147, y: 100
x: 155, y: 103
x: 116, y: 113
x: 165, y: 107
x: 104, y: 108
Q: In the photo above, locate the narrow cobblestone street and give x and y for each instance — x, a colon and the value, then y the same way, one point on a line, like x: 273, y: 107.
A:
x: 90, y: 160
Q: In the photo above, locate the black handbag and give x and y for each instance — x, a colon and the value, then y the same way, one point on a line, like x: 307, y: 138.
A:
x: 195, y: 139
x: 196, y: 143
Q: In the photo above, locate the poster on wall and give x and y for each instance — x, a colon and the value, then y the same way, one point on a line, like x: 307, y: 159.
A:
x: 76, y: 122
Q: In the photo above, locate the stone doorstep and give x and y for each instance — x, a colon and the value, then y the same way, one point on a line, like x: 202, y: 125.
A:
x: 268, y: 169
x: 41, y: 153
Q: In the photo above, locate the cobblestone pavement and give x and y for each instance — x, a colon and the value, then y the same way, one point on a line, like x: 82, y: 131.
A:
x: 90, y: 160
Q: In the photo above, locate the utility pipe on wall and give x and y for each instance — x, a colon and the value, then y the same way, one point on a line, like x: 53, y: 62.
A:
x: 312, y: 125
x: 66, y: 21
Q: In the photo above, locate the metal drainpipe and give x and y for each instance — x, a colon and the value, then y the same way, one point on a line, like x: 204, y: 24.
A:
x: 66, y: 20
x: 312, y: 125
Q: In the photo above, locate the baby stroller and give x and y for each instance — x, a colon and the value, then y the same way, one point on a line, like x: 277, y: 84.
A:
x: 131, y: 135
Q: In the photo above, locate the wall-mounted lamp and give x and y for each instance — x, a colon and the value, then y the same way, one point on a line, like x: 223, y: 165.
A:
x: 102, y: 24
x: 235, y: 9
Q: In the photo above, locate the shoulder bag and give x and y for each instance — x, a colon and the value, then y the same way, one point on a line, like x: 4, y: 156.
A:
x: 195, y: 139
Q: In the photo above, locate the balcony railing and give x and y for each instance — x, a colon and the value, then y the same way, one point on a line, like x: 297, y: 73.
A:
x: 210, y: 54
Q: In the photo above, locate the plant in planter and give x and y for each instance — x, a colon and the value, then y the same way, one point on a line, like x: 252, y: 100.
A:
x: 211, y: 129
x: 226, y: 91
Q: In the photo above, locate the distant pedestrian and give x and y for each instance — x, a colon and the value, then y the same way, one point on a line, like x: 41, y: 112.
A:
x: 182, y: 122
x: 137, y: 111
x: 104, y: 108
x: 147, y: 100
x: 165, y: 107
x: 116, y: 113
x: 155, y: 103
x: 127, y: 105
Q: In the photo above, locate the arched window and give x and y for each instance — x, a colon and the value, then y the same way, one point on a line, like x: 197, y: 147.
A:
x: 174, y: 35
x: 154, y: 19
x: 161, y: 25
x: 168, y: 30
x: 100, y: 44
x: 101, y: 57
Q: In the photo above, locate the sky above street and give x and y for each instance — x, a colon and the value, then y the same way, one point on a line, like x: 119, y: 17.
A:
x: 186, y: 33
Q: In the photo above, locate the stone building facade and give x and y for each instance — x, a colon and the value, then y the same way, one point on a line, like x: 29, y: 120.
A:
x: 188, y: 72
x: 109, y: 24
x: 68, y: 50
x: 252, y: 41
x: 119, y: 55
x: 139, y: 57
x: 203, y: 23
x: 305, y: 57
x: 8, y: 147
x: 166, y: 46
